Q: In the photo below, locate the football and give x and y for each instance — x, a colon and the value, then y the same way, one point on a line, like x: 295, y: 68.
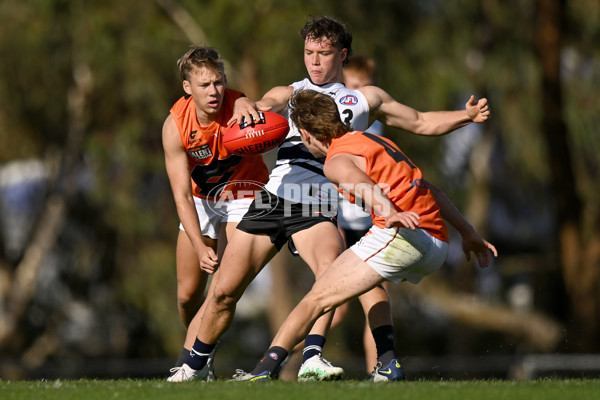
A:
x: 259, y: 137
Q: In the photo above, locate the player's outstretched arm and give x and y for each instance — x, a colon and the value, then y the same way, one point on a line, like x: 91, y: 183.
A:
x: 274, y: 100
x: 483, y: 250
x: 472, y: 242
x: 386, y: 109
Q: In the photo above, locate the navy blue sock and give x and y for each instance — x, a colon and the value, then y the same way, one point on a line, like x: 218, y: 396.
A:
x: 199, y: 354
x: 313, y: 345
x: 272, y: 359
x: 384, y: 342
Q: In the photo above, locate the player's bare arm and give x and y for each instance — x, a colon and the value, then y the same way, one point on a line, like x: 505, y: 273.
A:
x: 471, y: 240
x: 432, y: 123
x: 274, y: 100
x: 177, y: 170
x: 347, y: 171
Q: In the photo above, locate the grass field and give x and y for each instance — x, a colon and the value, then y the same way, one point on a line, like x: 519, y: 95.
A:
x: 347, y: 390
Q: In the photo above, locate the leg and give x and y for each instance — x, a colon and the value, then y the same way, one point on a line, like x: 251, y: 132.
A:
x: 345, y: 279
x: 339, y: 314
x: 378, y: 313
x: 244, y: 257
x: 226, y: 230
x: 319, y: 246
x: 371, y: 323
x: 191, y: 280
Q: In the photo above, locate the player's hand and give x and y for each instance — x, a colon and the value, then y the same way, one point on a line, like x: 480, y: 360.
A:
x: 209, y: 262
x: 478, y: 111
x: 404, y: 219
x: 245, y: 109
x: 482, y: 249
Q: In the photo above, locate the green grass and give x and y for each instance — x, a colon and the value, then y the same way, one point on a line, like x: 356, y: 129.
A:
x: 346, y: 390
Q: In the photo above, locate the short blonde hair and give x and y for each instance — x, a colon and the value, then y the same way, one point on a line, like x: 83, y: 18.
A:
x: 199, y: 57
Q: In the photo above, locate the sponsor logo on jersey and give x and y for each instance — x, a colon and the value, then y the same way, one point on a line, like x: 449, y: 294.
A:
x: 349, y: 100
x: 420, y: 183
x: 200, y: 153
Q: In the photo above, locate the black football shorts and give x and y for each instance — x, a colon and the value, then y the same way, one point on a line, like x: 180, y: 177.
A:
x: 280, y: 219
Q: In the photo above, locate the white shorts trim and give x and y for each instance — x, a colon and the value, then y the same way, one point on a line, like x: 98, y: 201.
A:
x: 212, y: 214
x: 401, y: 254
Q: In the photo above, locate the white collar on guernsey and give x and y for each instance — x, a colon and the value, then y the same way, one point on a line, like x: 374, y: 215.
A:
x: 326, y: 85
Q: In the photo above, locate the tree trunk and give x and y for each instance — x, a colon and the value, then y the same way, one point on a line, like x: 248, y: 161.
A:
x: 578, y: 274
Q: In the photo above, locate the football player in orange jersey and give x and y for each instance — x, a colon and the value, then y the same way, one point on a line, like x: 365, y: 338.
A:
x: 210, y: 185
x: 408, y: 239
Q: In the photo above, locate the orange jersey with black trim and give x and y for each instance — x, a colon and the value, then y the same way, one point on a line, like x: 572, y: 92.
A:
x: 398, y: 177
x: 216, y: 173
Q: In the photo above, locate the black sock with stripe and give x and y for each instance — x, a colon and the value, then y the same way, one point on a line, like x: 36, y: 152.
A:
x: 271, y: 360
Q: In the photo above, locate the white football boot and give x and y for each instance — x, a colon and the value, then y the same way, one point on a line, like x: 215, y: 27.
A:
x: 186, y: 373
x: 317, y: 368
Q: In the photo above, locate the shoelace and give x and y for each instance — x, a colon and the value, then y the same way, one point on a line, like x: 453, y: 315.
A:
x: 324, y: 361
x: 240, y: 373
x: 176, y: 370
x: 378, y: 366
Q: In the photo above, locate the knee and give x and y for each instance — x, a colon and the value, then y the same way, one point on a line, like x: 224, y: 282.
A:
x: 189, y: 298
x: 224, y: 299
x: 318, y: 303
x: 322, y: 265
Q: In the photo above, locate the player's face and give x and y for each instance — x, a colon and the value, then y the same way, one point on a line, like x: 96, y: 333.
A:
x: 323, y: 61
x: 207, y: 87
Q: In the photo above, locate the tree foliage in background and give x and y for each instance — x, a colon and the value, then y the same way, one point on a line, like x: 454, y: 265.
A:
x: 85, y: 87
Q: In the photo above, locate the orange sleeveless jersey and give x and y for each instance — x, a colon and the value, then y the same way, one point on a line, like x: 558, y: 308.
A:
x: 393, y: 171
x: 215, y: 172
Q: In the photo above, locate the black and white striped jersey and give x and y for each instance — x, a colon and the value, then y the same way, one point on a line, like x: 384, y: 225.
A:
x: 298, y: 176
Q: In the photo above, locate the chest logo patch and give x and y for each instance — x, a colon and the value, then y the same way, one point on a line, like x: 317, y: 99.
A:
x: 201, y: 152
x: 349, y: 100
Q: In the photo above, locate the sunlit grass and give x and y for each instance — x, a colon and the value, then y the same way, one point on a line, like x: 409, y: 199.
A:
x: 346, y: 390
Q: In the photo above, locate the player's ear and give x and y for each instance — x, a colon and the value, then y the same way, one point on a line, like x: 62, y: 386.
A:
x: 304, y: 135
x: 344, y: 54
x: 187, y: 87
